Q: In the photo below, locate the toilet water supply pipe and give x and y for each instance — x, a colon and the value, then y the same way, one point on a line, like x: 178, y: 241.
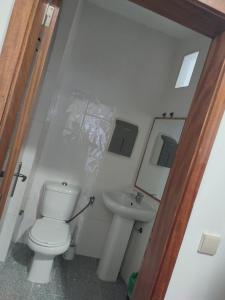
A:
x: 91, y: 202
x: 69, y: 254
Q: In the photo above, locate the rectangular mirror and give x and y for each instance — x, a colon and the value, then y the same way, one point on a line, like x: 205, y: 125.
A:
x: 159, y: 156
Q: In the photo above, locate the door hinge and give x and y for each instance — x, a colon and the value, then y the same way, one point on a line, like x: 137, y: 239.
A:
x: 48, y: 15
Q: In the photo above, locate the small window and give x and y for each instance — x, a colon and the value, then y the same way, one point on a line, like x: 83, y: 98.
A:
x: 187, y: 70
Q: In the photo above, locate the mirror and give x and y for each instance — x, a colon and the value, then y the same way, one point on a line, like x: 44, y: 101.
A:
x: 159, y: 156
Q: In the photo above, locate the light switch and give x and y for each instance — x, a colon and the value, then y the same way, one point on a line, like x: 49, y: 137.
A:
x: 209, y: 244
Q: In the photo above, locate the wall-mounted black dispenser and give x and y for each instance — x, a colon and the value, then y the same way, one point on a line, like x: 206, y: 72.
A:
x: 164, y: 151
x: 123, y: 138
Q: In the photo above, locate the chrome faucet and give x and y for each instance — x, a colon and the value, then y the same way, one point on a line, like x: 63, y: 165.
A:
x: 139, y: 197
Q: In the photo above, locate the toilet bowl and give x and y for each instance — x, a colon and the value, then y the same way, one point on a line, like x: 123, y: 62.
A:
x: 50, y: 235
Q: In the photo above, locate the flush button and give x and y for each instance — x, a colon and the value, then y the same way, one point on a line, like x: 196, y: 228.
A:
x: 64, y: 183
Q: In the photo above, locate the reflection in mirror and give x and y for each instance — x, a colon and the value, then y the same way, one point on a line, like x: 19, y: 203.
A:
x: 159, y: 156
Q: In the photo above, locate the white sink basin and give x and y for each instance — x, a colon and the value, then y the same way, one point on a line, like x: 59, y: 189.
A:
x: 125, y: 205
x: 125, y: 211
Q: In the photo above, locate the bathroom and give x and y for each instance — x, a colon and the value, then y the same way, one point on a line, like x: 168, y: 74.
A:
x: 110, y: 60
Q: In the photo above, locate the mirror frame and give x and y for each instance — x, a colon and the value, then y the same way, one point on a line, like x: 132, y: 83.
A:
x: 145, y: 149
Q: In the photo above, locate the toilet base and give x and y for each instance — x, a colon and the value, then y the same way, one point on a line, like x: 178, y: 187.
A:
x: 40, y: 269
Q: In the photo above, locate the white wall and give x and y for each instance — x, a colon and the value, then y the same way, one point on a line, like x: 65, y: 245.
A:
x: 115, y: 68
x: 179, y: 100
x: 198, y: 276
x: 5, y: 13
x: 173, y: 100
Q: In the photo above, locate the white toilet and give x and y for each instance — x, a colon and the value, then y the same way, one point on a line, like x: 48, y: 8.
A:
x: 50, y: 234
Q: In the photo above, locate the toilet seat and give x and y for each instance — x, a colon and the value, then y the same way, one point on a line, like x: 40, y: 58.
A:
x: 47, y: 238
x: 48, y: 232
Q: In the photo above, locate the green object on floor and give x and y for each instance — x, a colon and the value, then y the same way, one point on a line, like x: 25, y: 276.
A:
x: 131, y: 283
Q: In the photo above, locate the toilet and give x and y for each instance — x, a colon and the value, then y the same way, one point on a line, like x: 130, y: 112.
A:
x: 50, y: 235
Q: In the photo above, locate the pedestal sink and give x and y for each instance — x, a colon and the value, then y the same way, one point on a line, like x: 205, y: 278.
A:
x: 125, y: 211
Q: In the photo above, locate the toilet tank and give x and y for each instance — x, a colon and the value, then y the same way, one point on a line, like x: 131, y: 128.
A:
x: 59, y: 200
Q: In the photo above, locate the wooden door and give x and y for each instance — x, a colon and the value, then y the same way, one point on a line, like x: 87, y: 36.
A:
x: 22, y: 63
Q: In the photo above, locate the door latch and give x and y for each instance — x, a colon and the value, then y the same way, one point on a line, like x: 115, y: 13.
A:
x: 48, y: 15
x: 17, y: 175
x: 20, y: 175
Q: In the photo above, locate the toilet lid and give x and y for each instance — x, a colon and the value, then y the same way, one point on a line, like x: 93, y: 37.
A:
x: 50, y: 232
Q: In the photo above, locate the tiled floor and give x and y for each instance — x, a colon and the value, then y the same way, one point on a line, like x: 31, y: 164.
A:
x: 74, y: 280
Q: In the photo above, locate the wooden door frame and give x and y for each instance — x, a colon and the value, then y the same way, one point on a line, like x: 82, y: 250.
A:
x: 208, y: 105
x: 22, y: 62
x: 15, y: 61
x: 29, y: 99
x: 206, y: 17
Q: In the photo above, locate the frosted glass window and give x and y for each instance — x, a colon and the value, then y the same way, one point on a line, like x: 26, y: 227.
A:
x: 187, y: 70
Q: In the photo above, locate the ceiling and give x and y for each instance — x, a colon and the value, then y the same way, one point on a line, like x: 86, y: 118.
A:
x: 145, y: 17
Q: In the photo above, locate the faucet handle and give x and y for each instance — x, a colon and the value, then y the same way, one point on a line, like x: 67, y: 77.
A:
x: 139, y: 197
x: 140, y: 194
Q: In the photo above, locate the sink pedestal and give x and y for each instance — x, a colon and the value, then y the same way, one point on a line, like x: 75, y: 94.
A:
x: 114, y: 249
x: 125, y: 212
